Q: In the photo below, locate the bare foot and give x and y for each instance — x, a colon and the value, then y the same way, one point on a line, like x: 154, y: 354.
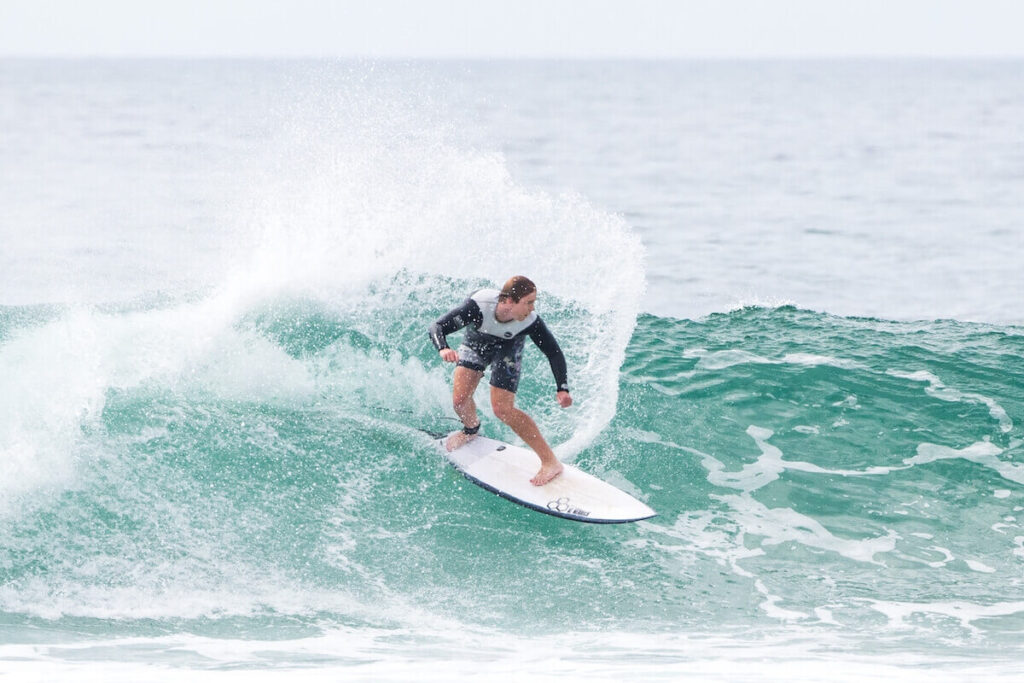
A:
x: 547, y: 473
x: 458, y: 440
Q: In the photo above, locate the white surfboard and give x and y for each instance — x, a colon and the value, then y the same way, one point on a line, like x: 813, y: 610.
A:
x: 506, y: 470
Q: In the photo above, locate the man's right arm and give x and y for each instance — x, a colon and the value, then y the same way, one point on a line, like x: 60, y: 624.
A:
x: 453, y: 320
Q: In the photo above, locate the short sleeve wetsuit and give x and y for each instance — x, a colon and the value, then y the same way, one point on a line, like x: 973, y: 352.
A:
x: 491, y: 342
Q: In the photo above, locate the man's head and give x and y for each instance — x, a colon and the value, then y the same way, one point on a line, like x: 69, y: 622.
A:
x: 516, y: 288
x: 520, y: 294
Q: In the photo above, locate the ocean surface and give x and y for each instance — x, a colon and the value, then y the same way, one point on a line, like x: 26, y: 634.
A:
x: 790, y: 295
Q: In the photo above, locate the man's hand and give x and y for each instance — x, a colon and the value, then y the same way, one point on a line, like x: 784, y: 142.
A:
x: 449, y: 355
x: 564, y: 399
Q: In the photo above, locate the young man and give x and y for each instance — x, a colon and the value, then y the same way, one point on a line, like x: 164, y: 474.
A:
x: 498, y: 324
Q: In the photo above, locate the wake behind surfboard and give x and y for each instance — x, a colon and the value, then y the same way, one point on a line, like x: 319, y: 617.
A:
x: 505, y: 469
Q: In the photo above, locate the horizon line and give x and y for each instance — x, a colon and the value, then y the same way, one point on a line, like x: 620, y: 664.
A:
x: 516, y: 58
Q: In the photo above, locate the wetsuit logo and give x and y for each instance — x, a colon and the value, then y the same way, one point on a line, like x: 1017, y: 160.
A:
x: 566, y: 507
x: 508, y: 335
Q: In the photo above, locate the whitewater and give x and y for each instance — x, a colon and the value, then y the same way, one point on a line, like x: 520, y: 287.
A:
x: 788, y: 294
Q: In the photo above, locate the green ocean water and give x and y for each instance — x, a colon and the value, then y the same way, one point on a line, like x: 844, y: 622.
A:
x: 215, y: 283
x: 853, y: 484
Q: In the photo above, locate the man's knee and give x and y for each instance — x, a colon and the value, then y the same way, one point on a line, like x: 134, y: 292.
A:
x: 504, y: 411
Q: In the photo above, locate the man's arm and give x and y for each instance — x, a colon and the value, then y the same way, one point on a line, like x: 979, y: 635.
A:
x: 545, y: 341
x: 453, y: 320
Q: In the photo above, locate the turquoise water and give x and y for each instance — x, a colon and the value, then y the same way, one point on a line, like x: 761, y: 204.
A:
x: 853, y: 482
x: 214, y: 370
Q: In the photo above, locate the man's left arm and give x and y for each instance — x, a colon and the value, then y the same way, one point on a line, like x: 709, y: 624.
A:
x: 545, y: 341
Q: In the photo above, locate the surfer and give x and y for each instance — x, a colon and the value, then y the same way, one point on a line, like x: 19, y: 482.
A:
x: 498, y: 324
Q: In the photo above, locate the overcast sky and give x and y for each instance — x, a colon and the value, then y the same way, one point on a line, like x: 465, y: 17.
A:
x: 512, y: 29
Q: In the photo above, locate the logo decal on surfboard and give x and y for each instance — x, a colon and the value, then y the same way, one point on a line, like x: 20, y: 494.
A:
x: 565, y: 506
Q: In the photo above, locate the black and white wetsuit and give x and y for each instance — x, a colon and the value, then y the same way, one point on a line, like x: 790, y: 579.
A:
x: 489, y: 341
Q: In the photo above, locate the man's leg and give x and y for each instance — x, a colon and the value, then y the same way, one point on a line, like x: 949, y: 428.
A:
x: 464, y: 384
x: 503, y: 403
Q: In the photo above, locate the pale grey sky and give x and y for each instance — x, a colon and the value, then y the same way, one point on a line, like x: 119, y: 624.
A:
x: 513, y: 28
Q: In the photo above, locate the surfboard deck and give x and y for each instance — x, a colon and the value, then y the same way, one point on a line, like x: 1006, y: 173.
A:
x: 506, y: 470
